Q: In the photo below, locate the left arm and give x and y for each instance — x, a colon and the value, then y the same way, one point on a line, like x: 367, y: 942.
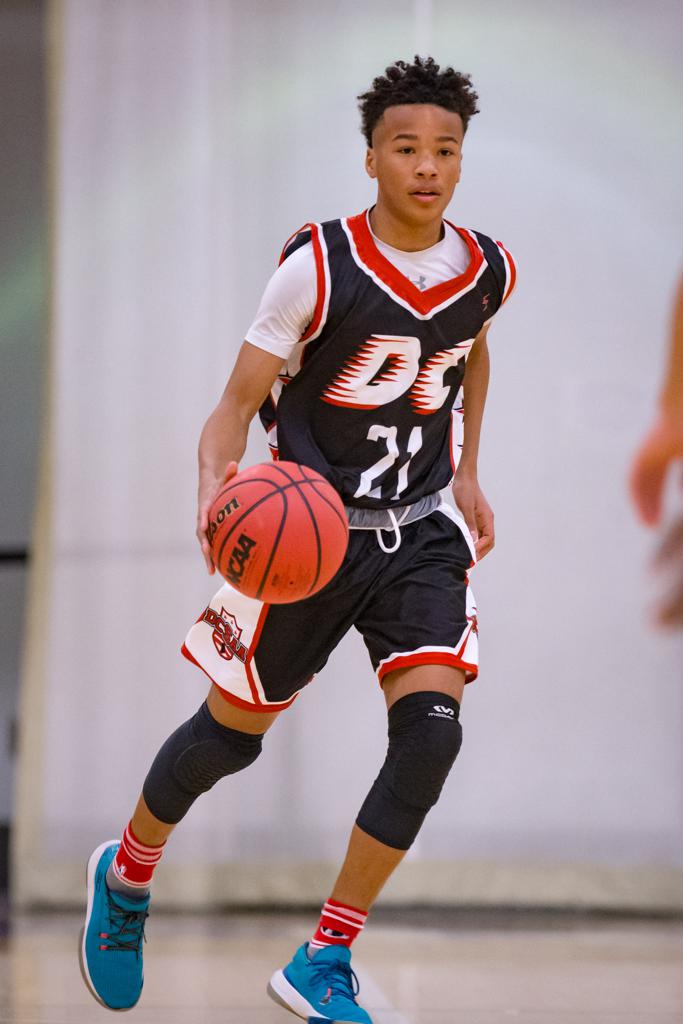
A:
x: 466, y: 490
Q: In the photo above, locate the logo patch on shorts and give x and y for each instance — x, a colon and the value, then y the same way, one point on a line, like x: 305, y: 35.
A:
x: 226, y: 634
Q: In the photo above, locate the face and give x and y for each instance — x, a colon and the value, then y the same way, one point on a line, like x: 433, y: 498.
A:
x: 415, y: 156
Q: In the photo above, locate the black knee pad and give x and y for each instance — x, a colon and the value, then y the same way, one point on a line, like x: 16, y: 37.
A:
x: 424, y: 740
x: 192, y: 760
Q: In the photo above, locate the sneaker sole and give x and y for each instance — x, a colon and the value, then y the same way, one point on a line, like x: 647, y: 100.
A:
x: 284, y: 994
x: 82, y: 960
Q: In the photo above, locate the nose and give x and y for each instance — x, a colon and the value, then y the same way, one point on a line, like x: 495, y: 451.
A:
x: 426, y: 167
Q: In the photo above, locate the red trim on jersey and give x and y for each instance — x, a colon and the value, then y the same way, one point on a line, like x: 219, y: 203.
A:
x: 400, y: 285
x: 451, y: 440
x: 231, y: 698
x: 319, y: 283
x: 427, y: 658
x: 513, y: 272
x: 289, y: 240
x: 319, y: 276
x: 274, y: 450
x: 348, y: 405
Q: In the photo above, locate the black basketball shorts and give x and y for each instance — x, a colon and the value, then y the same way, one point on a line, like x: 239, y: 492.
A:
x: 413, y: 606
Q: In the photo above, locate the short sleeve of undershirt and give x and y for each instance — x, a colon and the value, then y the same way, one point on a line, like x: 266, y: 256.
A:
x: 287, y: 305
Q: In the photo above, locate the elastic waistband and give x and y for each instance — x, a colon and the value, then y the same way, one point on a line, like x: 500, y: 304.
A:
x: 387, y: 519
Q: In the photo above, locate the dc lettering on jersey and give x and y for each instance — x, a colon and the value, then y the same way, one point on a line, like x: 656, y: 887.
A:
x: 385, y: 367
x: 429, y: 391
x: 371, y: 389
x: 381, y: 370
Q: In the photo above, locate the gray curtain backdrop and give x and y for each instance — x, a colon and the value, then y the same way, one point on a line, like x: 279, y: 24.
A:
x: 191, y: 139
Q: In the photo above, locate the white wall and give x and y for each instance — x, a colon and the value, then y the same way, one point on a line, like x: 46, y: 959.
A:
x: 191, y: 141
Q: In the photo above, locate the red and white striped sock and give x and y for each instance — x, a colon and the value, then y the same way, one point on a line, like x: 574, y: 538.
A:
x: 339, y: 925
x: 134, y: 863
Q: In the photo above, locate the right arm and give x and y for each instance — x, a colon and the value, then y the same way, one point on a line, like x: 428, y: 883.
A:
x: 286, y: 309
x: 224, y: 437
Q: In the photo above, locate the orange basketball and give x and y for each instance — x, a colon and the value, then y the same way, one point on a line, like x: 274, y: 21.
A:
x: 278, y: 532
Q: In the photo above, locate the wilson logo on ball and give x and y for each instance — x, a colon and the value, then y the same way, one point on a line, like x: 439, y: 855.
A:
x: 280, y: 532
x: 230, y: 506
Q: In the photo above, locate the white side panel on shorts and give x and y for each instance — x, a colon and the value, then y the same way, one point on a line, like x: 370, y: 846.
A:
x: 226, y: 662
x: 470, y: 652
x: 455, y: 515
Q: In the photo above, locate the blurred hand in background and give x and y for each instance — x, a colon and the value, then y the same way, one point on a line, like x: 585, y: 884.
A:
x: 662, y: 450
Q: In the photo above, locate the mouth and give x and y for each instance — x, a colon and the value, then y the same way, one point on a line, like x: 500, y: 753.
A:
x: 425, y: 195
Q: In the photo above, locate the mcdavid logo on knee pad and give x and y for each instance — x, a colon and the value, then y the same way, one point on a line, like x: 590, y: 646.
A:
x: 441, y: 712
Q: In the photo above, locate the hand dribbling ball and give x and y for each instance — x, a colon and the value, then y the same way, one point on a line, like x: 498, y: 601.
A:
x: 278, y: 532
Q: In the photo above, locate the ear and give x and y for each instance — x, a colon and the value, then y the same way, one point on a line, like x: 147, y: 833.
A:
x: 370, y: 163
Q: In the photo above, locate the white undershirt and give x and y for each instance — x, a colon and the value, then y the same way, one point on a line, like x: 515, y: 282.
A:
x: 288, y: 303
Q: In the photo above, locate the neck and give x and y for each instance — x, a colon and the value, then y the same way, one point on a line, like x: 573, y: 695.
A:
x: 400, y: 235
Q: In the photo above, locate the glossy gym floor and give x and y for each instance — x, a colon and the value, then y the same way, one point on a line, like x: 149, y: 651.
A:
x: 451, y: 967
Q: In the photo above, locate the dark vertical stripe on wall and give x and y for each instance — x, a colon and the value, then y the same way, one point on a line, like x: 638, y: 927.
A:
x: 23, y: 343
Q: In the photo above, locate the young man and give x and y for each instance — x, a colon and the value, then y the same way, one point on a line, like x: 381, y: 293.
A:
x: 356, y: 361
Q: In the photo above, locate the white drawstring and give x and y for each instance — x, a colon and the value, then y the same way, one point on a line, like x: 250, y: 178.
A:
x: 397, y: 530
x: 366, y: 518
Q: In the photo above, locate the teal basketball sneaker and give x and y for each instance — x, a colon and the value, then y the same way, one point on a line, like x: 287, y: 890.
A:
x: 321, y: 989
x: 111, y: 940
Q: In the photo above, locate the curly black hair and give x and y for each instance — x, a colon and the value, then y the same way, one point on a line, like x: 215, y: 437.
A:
x: 423, y: 81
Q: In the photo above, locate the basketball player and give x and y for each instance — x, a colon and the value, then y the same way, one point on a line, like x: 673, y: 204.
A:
x: 356, y: 362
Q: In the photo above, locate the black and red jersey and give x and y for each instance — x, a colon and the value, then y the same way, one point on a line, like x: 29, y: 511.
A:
x: 368, y: 396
